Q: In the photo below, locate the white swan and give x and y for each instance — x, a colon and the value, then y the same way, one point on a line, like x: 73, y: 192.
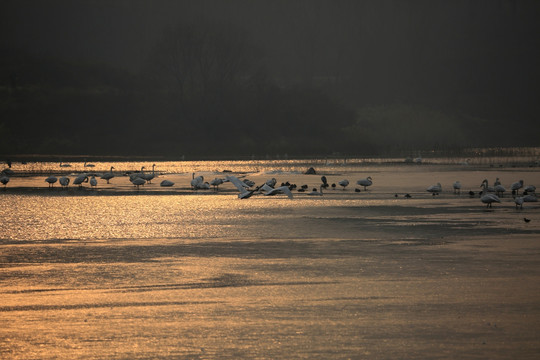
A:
x: 241, y: 186
x: 457, y: 187
x: 519, y: 202
x: 216, y: 182
x: 435, y: 189
x: 488, y: 198
x: 64, y: 165
x: 108, y: 176
x: 4, y: 179
x: 499, y: 189
x: 196, y: 181
x: 530, y: 189
x: 51, y: 180
x: 64, y: 181
x: 344, y: 183
x: 166, y: 183
x: 80, y: 179
x: 139, y: 174
x: 516, y: 186
x: 279, y: 190
x: 365, y: 182
x: 314, y: 192
x: 88, y: 165
x: 138, y: 181
x: 271, y: 182
x: 148, y: 177
x: 93, y: 181
x: 530, y: 198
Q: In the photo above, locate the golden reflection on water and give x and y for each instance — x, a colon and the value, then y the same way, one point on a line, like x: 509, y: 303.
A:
x: 29, y: 217
x: 343, y: 164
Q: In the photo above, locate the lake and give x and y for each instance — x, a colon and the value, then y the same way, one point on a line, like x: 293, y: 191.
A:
x: 119, y: 273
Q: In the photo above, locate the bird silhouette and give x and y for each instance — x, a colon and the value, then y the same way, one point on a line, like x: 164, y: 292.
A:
x: 344, y: 183
x: 4, y: 179
x: 365, y: 182
x: 457, y: 187
x: 93, y: 182
x: 64, y: 181
x: 435, y: 189
x: 488, y: 198
x: 166, y: 183
x: 51, y: 180
x: 526, y: 220
x: 108, y: 176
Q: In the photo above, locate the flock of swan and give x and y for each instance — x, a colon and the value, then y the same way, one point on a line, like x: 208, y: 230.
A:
x: 489, y: 194
x: 492, y: 194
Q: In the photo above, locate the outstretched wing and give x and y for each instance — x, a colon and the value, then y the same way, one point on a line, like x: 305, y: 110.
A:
x: 240, y: 185
x: 280, y: 190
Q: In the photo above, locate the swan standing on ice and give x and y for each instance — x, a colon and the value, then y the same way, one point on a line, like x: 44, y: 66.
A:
x: 93, y: 181
x: 51, y: 180
x: 64, y: 165
x: 4, y: 179
x: 80, y: 179
x: 88, y: 165
x: 365, y: 182
x: 108, y: 176
x: 519, y: 202
x: 196, y: 181
x: 499, y: 189
x: 435, y: 189
x: 148, y: 177
x: 138, y: 182
x: 516, y: 186
x: 137, y: 175
x: 457, y: 187
x: 64, y: 181
x: 488, y: 198
x: 344, y: 183
x: 216, y: 182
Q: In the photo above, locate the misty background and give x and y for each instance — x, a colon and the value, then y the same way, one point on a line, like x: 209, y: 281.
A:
x: 244, y: 78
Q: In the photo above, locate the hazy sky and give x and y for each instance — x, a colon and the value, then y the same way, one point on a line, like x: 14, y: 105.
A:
x: 485, y: 50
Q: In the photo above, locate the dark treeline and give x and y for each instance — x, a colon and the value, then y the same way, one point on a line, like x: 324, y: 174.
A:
x: 243, y: 78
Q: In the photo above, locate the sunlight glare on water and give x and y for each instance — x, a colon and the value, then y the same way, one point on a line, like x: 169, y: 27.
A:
x: 34, y: 218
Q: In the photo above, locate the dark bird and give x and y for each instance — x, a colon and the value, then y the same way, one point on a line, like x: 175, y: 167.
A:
x: 408, y: 196
x: 526, y: 220
x: 396, y: 195
x: 324, y: 182
x: 334, y: 186
x: 471, y: 193
x: 357, y: 190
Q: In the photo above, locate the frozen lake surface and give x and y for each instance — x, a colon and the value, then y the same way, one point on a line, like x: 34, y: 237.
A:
x: 117, y: 273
